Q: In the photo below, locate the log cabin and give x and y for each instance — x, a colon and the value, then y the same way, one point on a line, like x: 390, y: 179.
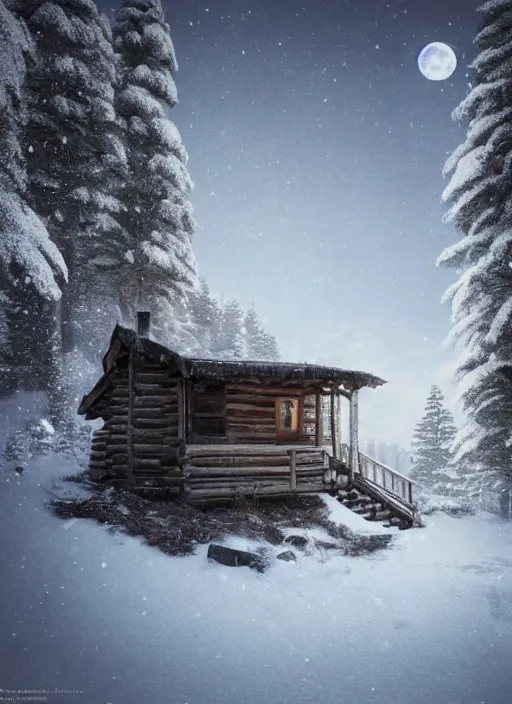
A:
x: 209, y: 430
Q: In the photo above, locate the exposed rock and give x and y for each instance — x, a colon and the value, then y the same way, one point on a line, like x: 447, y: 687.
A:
x: 381, y: 515
x: 353, y: 495
x: 287, y: 556
x: 298, y: 541
x: 236, y: 558
x: 325, y: 546
x: 343, y: 481
x: 365, y: 499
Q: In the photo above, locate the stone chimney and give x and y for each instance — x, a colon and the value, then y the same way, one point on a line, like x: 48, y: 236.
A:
x: 143, y: 323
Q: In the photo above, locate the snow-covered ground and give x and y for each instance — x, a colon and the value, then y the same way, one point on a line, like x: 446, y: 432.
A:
x: 428, y: 621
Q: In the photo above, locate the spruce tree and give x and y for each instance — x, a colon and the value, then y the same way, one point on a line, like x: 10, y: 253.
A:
x: 31, y: 267
x: 480, y: 192
x: 75, y: 157
x: 259, y: 344
x: 432, y: 439
x: 205, y: 315
x: 229, y: 343
x: 155, y: 266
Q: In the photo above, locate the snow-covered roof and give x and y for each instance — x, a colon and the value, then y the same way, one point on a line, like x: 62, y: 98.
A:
x: 223, y: 370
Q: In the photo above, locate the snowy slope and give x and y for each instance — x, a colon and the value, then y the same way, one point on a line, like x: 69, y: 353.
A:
x: 429, y: 620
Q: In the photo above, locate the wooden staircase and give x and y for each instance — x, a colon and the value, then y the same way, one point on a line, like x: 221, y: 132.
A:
x: 377, y: 493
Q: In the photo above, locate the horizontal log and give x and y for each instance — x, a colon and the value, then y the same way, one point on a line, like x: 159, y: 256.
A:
x: 229, y: 493
x: 262, y: 401
x: 116, y: 448
x: 241, y: 428
x: 118, y: 427
x: 146, y: 463
x: 117, y: 481
x: 99, y: 464
x: 157, y: 440
x: 162, y: 424
x: 253, y: 412
x: 233, y: 461
x: 146, y: 448
x: 156, y: 402
x: 155, y: 389
x: 173, y: 481
x: 252, y: 472
x: 264, y: 391
x: 253, y: 438
x: 156, y: 412
x: 147, y: 376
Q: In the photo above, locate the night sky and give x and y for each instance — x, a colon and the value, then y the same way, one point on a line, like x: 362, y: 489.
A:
x: 316, y: 147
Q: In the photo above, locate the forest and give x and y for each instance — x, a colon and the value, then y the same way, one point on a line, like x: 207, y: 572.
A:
x: 95, y: 214
x: 96, y: 222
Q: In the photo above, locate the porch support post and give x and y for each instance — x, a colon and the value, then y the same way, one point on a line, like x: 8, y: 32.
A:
x: 319, y: 431
x: 354, y: 433
x: 333, y: 425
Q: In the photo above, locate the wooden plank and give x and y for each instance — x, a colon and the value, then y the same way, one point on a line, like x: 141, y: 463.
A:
x: 293, y: 470
x: 354, y: 433
x: 275, y: 490
x: 131, y: 400
x: 394, y: 503
x: 154, y: 401
x: 333, y: 426
x: 181, y: 410
x: 283, y: 471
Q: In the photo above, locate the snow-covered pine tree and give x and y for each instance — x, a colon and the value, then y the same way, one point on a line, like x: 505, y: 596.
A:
x: 259, y: 344
x: 205, y: 315
x: 229, y: 343
x: 432, y: 440
x: 31, y: 267
x: 480, y: 192
x: 156, y: 264
x: 74, y: 154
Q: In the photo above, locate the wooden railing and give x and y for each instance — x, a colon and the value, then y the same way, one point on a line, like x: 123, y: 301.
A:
x: 389, y: 479
x: 294, y: 454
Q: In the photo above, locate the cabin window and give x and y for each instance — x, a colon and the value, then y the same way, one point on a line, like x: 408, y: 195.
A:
x: 209, y: 409
x: 288, y: 418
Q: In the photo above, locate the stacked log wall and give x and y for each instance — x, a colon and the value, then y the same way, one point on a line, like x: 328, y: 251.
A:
x: 157, y: 431
x: 141, y: 443
x: 251, y: 414
x: 215, y: 474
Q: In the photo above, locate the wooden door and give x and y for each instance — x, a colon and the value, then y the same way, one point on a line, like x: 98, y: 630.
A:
x: 288, y: 419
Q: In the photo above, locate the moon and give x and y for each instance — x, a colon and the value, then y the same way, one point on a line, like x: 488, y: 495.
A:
x: 437, y: 61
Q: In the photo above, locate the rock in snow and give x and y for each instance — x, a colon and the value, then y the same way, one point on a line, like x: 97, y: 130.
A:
x: 287, y: 556
x: 236, y: 558
x: 298, y: 541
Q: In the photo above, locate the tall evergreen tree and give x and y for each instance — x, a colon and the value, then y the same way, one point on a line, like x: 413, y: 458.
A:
x: 259, y: 344
x: 155, y: 264
x: 75, y: 156
x: 480, y: 191
x: 31, y: 267
x: 432, y: 439
x: 205, y: 314
x: 229, y: 343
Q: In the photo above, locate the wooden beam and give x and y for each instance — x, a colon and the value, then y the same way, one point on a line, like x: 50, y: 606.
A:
x: 131, y: 402
x: 333, y: 425
x: 293, y: 470
x: 354, y: 433
x: 319, y: 431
